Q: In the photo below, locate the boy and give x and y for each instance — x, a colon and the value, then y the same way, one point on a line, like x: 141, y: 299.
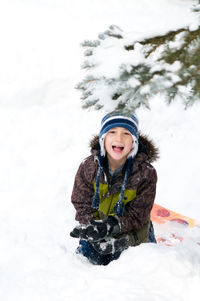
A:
x: 114, y: 190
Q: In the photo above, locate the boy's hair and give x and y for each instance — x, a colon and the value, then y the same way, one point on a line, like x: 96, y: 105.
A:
x: 119, y: 119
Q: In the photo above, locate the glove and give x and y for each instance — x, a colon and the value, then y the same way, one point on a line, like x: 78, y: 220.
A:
x: 112, y: 245
x: 97, y: 229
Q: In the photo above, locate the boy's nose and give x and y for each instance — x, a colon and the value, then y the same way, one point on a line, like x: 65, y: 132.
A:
x: 119, y: 136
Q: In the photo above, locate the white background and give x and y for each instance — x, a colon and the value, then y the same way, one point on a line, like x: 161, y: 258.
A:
x: 44, y: 135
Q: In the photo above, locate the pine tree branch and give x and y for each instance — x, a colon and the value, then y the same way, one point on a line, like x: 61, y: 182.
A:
x: 168, y: 64
x: 156, y: 41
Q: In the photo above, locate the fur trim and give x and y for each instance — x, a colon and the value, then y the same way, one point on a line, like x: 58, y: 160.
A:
x: 146, y: 146
x: 94, y: 144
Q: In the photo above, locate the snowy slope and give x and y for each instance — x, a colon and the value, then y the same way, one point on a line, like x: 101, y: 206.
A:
x: 44, y: 136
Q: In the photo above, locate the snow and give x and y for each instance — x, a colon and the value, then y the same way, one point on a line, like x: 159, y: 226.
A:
x: 107, y: 63
x: 44, y: 137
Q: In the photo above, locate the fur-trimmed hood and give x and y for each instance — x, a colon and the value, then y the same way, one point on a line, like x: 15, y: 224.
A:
x: 146, y: 146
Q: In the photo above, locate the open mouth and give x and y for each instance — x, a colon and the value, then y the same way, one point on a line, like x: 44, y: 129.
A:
x: 117, y: 148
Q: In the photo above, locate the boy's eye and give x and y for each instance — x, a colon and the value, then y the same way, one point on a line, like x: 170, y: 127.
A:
x: 126, y: 133
x: 111, y: 132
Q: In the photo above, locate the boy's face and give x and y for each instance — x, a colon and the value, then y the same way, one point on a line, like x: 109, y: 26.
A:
x: 118, y: 144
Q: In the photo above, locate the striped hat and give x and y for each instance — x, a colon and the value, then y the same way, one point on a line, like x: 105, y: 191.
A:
x: 119, y: 119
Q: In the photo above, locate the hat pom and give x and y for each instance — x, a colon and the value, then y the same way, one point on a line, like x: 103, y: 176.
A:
x: 119, y: 208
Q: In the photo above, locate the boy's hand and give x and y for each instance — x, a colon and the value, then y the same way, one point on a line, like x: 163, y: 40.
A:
x: 97, y: 229
x: 112, y: 245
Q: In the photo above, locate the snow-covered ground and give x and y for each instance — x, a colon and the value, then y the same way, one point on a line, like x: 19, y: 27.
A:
x: 44, y: 136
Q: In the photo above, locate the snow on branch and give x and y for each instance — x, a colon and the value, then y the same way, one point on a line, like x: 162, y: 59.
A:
x: 125, y: 73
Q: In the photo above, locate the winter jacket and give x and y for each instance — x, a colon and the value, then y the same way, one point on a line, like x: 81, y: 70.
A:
x: 139, y: 194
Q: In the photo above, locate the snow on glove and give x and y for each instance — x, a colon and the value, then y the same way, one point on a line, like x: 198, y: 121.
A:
x: 112, y: 245
x: 97, y: 229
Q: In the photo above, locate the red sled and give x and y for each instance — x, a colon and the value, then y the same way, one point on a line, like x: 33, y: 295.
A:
x: 169, y: 225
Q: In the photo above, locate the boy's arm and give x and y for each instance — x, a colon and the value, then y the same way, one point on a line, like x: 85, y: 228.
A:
x: 138, y: 210
x: 82, y: 196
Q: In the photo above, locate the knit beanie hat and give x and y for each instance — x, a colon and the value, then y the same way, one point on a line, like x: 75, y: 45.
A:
x: 119, y: 119
x: 109, y: 121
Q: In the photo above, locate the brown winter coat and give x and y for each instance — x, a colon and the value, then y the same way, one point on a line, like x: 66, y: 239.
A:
x: 141, y: 185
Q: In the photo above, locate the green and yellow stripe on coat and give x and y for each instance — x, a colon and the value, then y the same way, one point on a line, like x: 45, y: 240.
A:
x: 106, y: 207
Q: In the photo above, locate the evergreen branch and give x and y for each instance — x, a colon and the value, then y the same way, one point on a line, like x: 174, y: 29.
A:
x: 156, y: 41
x: 168, y: 63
